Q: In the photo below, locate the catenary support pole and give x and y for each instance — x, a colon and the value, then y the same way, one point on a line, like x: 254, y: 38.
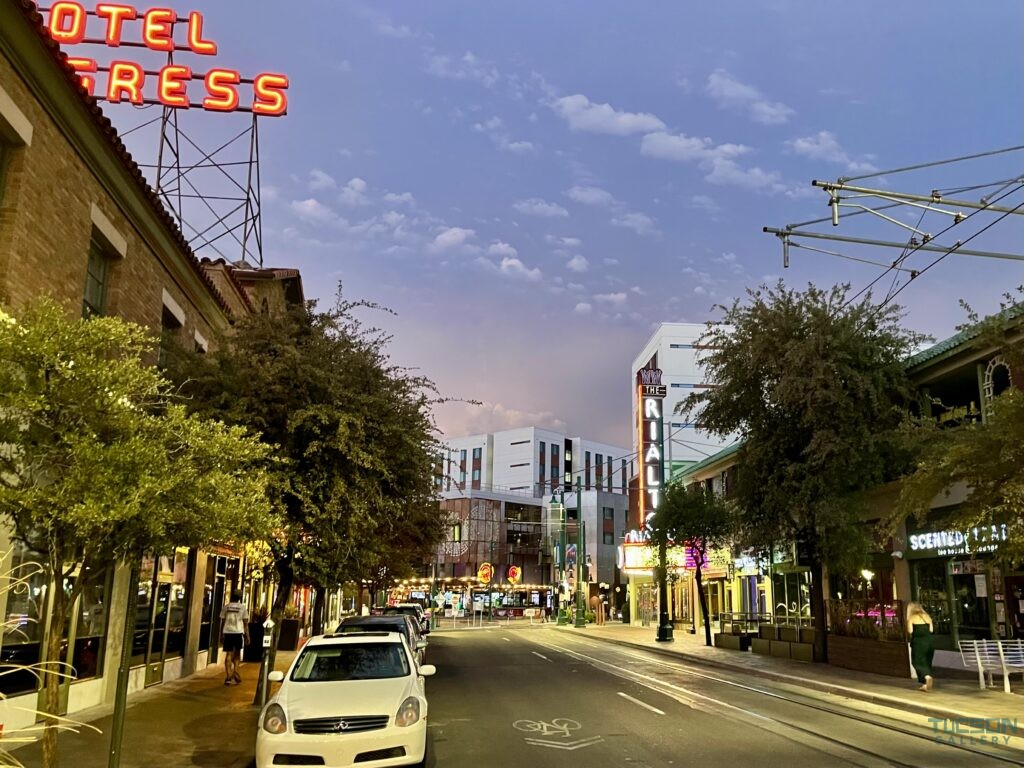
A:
x: 121, y: 693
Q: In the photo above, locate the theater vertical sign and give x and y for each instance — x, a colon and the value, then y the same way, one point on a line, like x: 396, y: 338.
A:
x: 650, y: 402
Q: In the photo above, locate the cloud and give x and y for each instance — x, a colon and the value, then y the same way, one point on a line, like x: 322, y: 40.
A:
x: 706, y: 204
x: 610, y: 262
x: 501, y: 139
x: 343, y: 66
x: 354, y: 193
x: 732, y: 94
x: 400, y: 197
x: 578, y: 264
x: 515, y: 268
x: 467, y: 68
x: 582, y: 114
x: 825, y: 146
x: 700, y: 290
x: 717, y: 160
x: 313, y: 211
x: 582, y: 308
x: 568, y: 242
x: 319, y: 181
x: 471, y: 419
x: 502, y: 249
x: 450, y: 238
x: 536, y: 206
x: 638, y: 290
x: 683, y: 148
x: 590, y: 196
x: 640, y: 223
x: 612, y: 299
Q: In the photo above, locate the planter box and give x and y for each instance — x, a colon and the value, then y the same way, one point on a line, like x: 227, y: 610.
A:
x: 883, y: 657
x: 807, y: 635
x: 781, y: 649
x: 801, y: 652
x: 289, y: 638
x: 768, y: 632
x: 789, y: 634
x: 254, y: 650
x: 732, y: 642
x: 760, y: 645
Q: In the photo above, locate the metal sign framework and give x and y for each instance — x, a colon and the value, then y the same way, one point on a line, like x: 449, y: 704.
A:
x: 212, y: 190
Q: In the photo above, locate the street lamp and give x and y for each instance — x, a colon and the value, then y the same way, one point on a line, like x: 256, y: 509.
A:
x: 581, y: 543
x: 561, y: 566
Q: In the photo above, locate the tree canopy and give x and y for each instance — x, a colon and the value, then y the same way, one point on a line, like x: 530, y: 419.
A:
x: 985, y: 458
x: 352, y: 432
x: 814, y: 386
x: 695, y: 517
x: 99, y: 463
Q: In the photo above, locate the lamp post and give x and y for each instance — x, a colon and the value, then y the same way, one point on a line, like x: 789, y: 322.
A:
x: 490, y: 590
x: 560, y: 574
x: 581, y: 543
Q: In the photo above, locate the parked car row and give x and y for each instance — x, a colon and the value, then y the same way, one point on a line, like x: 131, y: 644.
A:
x: 356, y: 696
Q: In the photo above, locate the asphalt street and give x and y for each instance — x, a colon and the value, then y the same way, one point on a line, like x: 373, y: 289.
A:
x: 548, y: 697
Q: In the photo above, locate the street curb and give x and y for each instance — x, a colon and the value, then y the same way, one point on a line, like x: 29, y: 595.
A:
x: 801, y: 682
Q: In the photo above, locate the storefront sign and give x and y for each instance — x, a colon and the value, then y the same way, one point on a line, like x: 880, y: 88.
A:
x: 172, y: 85
x: 746, y: 566
x: 485, y: 572
x: 639, y: 559
x: 952, y: 542
x: 650, y: 395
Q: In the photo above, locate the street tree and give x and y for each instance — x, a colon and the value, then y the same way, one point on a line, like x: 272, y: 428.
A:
x: 986, y: 457
x: 695, y: 517
x: 813, y: 385
x: 352, y: 433
x: 99, y: 464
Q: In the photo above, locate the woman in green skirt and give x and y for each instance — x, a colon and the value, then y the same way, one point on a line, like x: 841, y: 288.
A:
x: 922, y: 643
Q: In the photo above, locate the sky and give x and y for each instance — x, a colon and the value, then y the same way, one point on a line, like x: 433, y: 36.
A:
x: 532, y: 187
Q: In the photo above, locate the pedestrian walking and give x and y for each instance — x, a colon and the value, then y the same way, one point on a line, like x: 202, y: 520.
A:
x: 234, y: 630
x: 920, y: 629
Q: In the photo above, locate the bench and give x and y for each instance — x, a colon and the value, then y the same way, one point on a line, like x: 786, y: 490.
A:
x: 989, y: 656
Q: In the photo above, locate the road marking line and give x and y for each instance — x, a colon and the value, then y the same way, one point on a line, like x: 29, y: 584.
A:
x: 506, y: 640
x: 567, y: 746
x: 643, y: 704
x: 541, y: 655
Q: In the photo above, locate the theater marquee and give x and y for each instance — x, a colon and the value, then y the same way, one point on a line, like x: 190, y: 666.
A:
x: 650, y: 399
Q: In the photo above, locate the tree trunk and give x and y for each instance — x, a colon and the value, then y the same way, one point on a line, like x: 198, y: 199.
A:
x: 53, y: 673
x: 699, y: 580
x: 285, y: 580
x: 818, y: 609
x: 318, y: 610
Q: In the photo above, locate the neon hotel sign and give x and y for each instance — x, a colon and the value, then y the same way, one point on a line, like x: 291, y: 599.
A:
x: 174, y: 85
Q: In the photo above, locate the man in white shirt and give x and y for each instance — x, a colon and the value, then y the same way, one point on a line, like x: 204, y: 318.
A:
x: 234, y: 630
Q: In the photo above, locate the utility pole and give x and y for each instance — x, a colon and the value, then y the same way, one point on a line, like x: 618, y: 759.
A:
x: 490, y: 590
x: 560, y: 574
x: 581, y: 544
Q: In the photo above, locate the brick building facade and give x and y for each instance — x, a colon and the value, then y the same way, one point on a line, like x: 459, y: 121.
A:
x: 78, y: 222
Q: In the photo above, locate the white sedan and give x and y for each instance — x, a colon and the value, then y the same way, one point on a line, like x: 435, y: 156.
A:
x: 354, y: 699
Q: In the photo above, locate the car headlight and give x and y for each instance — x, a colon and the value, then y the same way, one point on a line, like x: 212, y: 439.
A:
x: 408, y: 713
x: 274, y: 719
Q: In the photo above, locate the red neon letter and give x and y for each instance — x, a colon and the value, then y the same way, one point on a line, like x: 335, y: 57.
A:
x: 67, y: 22
x: 269, y: 97
x: 115, y: 15
x: 157, y: 28
x: 220, y: 83
x: 195, y: 36
x: 85, y: 65
x: 125, y: 77
x: 173, y: 81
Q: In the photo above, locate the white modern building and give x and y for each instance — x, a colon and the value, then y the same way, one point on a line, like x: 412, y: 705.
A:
x: 675, y: 349
x: 497, y: 490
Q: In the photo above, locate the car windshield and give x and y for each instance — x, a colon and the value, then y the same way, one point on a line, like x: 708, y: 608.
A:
x: 400, y: 612
x: 382, y: 626
x: 350, y: 661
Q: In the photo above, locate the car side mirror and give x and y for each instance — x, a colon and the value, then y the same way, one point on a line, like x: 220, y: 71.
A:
x: 276, y: 676
x: 427, y: 670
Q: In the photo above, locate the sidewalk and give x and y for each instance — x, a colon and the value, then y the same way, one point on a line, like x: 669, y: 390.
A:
x: 952, y: 698
x: 195, y: 721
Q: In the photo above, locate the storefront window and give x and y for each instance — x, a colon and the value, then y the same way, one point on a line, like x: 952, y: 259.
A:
x: 143, y: 609
x: 792, y: 595
x: 22, y: 633
x: 91, y: 628
x: 208, y: 602
x: 177, y: 611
